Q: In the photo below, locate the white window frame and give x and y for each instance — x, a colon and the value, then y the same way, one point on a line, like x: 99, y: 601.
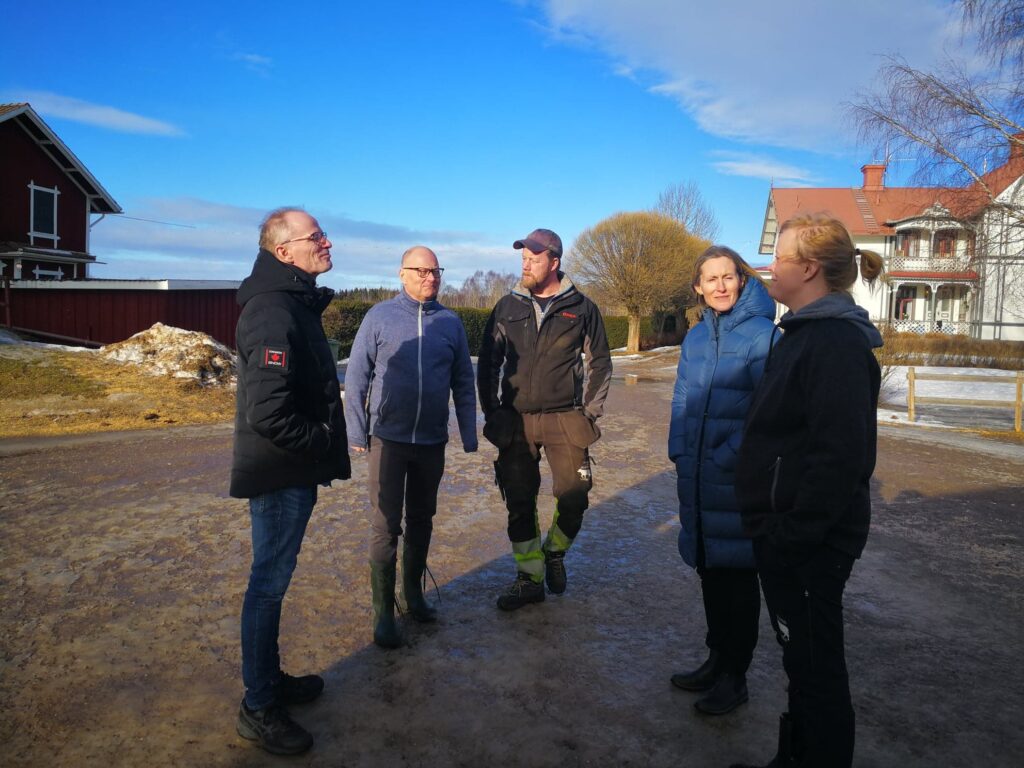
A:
x: 32, y: 234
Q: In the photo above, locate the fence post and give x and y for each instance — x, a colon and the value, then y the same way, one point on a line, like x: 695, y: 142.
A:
x: 1018, y: 406
x: 910, y: 393
x: 5, y: 285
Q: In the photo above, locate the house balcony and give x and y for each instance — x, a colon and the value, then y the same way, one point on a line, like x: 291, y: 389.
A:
x: 953, y: 267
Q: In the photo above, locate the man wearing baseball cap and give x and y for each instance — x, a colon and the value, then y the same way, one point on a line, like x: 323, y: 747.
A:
x: 542, y: 376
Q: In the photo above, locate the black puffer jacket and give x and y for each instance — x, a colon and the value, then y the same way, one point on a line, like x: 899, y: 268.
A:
x: 808, y: 450
x: 543, y: 367
x: 289, y: 423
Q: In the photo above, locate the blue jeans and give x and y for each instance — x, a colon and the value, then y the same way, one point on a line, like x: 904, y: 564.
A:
x: 279, y: 522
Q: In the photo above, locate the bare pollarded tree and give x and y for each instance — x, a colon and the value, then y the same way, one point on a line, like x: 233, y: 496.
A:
x: 641, y: 261
x: 685, y: 204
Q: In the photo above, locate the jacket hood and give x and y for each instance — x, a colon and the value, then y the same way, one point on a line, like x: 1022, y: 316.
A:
x: 840, y: 306
x: 269, y: 275
x: 754, y: 301
x: 565, y: 287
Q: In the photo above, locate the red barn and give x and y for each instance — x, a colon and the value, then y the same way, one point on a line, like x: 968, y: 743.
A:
x: 47, y: 201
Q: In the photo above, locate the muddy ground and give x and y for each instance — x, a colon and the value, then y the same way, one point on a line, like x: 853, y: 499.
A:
x: 123, y: 563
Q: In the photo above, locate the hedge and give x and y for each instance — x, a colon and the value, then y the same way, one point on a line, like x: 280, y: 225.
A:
x: 342, y: 318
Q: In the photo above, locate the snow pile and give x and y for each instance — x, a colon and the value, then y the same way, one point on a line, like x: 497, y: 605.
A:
x: 165, y: 350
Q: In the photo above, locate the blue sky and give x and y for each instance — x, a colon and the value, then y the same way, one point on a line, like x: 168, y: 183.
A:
x: 461, y: 125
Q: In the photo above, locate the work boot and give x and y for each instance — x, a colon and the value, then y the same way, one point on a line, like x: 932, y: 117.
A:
x: 784, y: 757
x: 414, y: 563
x: 273, y: 730
x: 703, y: 677
x: 523, y: 590
x: 386, y: 633
x: 554, y: 571
x: 298, y: 690
x: 729, y: 691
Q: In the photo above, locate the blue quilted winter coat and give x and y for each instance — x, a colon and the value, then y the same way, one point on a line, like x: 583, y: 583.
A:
x: 721, y: 363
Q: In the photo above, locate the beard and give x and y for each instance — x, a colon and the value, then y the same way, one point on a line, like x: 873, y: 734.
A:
x: 529, y: 282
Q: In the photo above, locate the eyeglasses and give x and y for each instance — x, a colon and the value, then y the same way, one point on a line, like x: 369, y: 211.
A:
x: 425, y: 272
x: 316, y: 238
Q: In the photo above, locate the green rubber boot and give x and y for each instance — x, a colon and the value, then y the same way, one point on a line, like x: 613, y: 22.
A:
x: 414, y: 563
x: 386, y: 633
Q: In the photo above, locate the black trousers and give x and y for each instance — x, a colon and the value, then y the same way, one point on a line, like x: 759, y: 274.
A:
x: 805, y: 604
x: 402, y: 474
x: 732, y: 606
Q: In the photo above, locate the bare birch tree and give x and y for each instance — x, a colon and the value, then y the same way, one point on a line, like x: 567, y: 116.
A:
x: 958, y: 123
x: 641, y: 261
x: 955, y: 123
x: 685, y: 204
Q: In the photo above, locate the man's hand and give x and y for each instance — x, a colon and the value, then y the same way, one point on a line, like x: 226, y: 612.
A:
x: 357, y: 449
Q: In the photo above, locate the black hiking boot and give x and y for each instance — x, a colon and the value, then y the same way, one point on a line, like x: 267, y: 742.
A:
x: 523, y: 590
x: 273, y: 730
x: 702, y: 678
x: 298, y: 690
x: 784, y: 756
x: 729, y: 692
x: 554, y: 571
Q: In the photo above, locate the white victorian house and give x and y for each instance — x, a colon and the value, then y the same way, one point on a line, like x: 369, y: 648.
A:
x: 954, y: 257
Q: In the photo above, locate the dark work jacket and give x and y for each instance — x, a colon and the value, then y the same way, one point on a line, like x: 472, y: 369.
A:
x: 719, y: 366
x: 289, y: 424
x: 808, y: 451
x: 544, y: 367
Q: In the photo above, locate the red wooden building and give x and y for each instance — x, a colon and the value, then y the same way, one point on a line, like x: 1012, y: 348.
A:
x: 48, y: 203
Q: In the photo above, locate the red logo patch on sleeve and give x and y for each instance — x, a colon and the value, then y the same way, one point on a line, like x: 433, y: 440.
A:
x: 274, y: 357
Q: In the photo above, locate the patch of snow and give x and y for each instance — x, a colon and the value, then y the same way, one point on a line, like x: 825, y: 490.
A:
x: 167, y: 351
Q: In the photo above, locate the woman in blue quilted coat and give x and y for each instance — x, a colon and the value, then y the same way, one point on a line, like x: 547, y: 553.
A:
x: 721, y: 363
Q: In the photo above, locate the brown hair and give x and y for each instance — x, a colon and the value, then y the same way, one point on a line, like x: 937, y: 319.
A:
x: 274, y: 229
x: 743, y: 270
x: 824, y: 239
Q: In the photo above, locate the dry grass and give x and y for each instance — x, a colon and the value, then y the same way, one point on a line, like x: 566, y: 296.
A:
x: 51, y: 391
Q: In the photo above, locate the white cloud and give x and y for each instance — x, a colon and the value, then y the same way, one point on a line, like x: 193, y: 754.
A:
x: 196, y: 239
x: 760, y: 167
x: 774, y: 73
x: 50, y: 104
x: 254, y: 62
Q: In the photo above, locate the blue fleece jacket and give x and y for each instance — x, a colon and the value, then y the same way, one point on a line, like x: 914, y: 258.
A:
x: 406, y: 359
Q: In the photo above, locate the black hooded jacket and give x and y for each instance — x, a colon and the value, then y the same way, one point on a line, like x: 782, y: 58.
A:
x: 289, y: 422
x: 541, y: 369
x: 808, y: 447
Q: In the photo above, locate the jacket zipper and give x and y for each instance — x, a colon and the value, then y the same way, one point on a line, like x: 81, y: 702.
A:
x: 419, y: 371
x: 775, y: 469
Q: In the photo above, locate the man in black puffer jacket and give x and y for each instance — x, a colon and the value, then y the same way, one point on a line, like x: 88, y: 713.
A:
x: 289, y: 438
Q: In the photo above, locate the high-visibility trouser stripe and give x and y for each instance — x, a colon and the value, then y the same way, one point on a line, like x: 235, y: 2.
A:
x: 529, y: 558
x: 556, y: 540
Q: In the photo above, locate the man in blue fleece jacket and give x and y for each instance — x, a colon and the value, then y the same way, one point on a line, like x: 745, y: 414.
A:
x: 410, y: 352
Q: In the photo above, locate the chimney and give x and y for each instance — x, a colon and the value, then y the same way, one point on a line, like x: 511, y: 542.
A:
x: 1017, y: 146
x: 874, y: 176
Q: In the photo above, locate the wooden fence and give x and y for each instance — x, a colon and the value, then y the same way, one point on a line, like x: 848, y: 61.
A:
x: 913, y: 400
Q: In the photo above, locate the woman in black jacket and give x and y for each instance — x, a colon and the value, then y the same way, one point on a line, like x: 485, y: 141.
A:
x: 802, y: 476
